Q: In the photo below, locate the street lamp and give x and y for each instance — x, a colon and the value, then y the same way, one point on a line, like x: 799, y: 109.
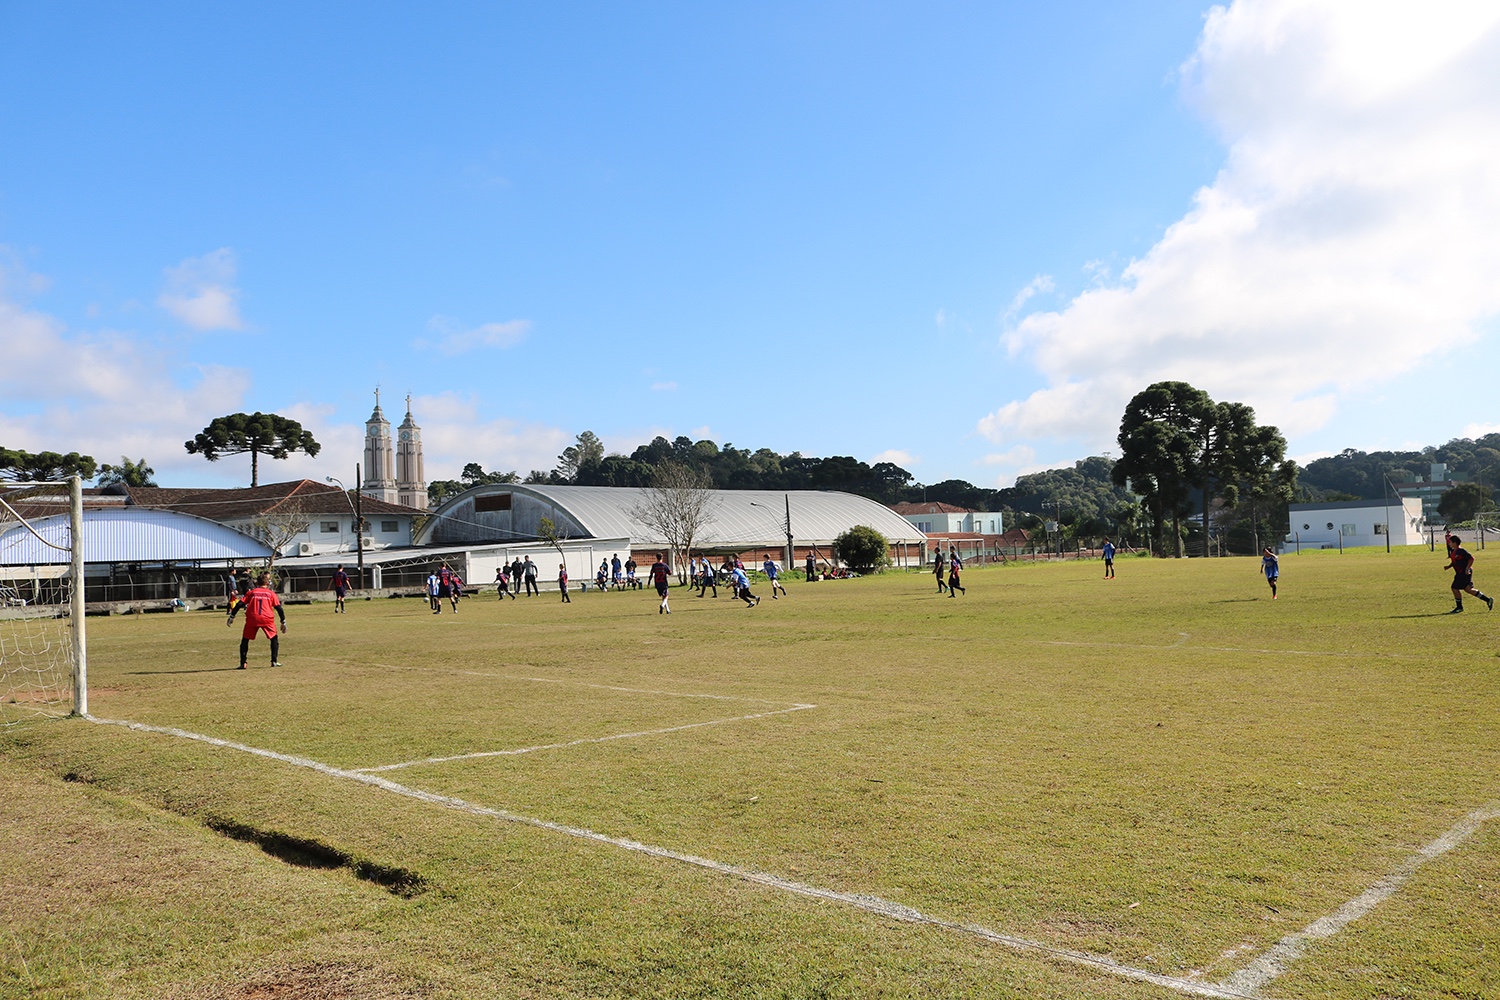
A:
x: 790, y: 556
x: 359, y: 521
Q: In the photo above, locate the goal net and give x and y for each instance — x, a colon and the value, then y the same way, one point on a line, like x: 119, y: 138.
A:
x: 41, y: 624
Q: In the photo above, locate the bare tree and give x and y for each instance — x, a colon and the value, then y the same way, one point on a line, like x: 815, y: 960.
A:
x: 277, y: 530
x: 679, y: 504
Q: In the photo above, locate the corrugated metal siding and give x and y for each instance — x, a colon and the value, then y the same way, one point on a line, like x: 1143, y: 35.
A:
x: 132, y: 534
x: 740, y: 518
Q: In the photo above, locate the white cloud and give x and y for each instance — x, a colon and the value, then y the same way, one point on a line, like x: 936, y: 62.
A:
x: 201, y: 293
x: 663, y: 386
x: 896, y: 457
x: 1036, y: 286
x: 1350, y: 234
x: 1477, y: 430
x: 452, y: 337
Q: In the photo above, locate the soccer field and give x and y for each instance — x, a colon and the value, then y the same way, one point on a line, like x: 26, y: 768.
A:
x: 1054, y: 786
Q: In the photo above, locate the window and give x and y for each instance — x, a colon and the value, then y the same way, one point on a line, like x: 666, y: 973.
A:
x: 1379, y: 529
x: 1306, y: 526
x: 495, y: 501
x: 1330, y: 525
x: 389, y: 527
x: 330, y: 527
x: 1346, y: 530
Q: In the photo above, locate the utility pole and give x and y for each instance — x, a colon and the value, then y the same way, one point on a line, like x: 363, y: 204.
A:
x: 791, y: 553
x: 359, y: 526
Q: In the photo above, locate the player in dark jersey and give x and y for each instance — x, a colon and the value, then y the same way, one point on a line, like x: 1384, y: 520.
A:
x: 262, y: 608
x: 1462, y: 565
x: 340, y: 587
x: 660, y: 574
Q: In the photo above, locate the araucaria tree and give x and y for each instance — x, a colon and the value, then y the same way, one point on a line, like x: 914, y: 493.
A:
x: 44, y: 466
x: 1175, y: 439
x: 257, y: 433
x: 678, y: 505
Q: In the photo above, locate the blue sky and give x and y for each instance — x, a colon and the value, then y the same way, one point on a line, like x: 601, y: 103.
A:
x: 954, y: 235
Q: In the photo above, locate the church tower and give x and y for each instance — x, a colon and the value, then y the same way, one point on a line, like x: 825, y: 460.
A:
x: 380, y: 465
x: 411, y: 478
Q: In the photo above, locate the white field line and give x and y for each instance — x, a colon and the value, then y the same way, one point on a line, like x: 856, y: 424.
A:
x: 572, y: 683
x: 871, y: 904
x: 1242, y: 985
x: 1274, y: 962
x: 579, y: 742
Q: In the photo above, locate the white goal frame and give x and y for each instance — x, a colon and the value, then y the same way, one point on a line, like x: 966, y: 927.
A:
x: 77, y: 604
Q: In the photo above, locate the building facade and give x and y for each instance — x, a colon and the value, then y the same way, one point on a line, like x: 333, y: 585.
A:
x: 1352, y: 523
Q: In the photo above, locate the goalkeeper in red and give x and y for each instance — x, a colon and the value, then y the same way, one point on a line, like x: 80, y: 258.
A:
x: 262, y: 609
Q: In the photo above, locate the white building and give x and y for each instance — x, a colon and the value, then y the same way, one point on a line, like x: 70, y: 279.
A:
x: 1352, y: 523
x: 933, y: 518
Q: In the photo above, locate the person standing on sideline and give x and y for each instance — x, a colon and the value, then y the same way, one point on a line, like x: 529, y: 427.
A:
x: 530, y: 571
x: 1462, y: 564
x: 660, y: 573
x: 955, y: 567
x: 562, y: 582
x: 515, y: 575
x: 937, y: 569
x: 340, y: 587
x: 262, y: 608
x: 432, y: 593
x: 615, y: 575
x: 812, y: 568
x: 742, y: 585
x: 1270, y: 567
x: 773, y: 573
x: 1109, y: 559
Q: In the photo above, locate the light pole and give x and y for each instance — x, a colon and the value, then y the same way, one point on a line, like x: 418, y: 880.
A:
x: 790, y: 555
x: 359, y: 522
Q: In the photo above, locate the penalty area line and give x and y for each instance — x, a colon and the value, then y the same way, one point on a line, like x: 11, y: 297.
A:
x: 578, y: 742
x: 870, y: 904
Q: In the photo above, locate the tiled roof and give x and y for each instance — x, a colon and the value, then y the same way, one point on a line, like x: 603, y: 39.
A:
x: 929, y: 507
x: 302, y: 497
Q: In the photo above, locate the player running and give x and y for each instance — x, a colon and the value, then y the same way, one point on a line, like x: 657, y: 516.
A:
x: 659, y: 576
x: 1270, y: 566
x: 742, y: 586
x: 262, y: 608
x: 955, y: 569
x: 773, y: 573
x: 1462, y: 565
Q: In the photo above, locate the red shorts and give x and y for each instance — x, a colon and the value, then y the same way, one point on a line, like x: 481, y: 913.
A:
x: 269, y: 628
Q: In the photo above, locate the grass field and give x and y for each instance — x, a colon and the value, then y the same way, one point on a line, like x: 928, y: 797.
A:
x: 864, y: 789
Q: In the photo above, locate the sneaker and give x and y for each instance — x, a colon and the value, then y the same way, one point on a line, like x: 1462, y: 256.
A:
x: 275, y: 664
x: 757, y: 602
x: 1457, y: 610
x: 243, y: 666
x: 1491, y: 602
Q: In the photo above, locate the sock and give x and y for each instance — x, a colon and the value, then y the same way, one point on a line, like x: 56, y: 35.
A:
x: 275, y: 649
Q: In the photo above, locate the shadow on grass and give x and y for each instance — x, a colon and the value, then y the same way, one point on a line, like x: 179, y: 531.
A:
x: 1429, y: 614
x: 1235, y: 600
x: 205, y: 670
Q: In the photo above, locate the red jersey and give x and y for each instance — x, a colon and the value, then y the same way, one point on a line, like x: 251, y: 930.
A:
x: 1461, y: 561
x: 260, y: 606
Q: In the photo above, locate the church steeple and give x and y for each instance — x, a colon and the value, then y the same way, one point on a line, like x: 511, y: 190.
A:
x: 411, y: 477
x: 380, y: 465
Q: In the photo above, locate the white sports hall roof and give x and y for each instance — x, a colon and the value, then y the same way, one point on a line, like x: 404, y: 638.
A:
x: 739, y: 518
x: 127, y: 535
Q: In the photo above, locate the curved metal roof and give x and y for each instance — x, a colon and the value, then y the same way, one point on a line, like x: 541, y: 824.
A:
x: 127, y: 534
x: 739, y: 518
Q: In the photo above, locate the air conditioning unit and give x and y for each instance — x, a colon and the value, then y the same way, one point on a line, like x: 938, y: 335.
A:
x: 367, y: 543
x: 304, y: 548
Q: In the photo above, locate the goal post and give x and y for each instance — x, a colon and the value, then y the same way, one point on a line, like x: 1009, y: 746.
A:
x: 43, y: 632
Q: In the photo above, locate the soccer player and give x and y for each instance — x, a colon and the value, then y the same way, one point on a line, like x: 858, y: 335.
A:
x: 262, y: 608
x: 1109, y: 559
x: 742, y: 586
x: 812, y: 568
x: 502, y: 584
x: 1271, y: 567
x: 659, y: 576
x: 1462, y: 565
x: 937, y: 569
x: 340, y: 587
x: 773, y: 573
x: 955, y: 567
x: 433, y: 585
x: 562, y: 582
x: 707, y: 577
x: 455, y: 590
